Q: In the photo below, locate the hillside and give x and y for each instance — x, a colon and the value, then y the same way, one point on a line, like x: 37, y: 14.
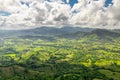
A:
x: 104, y: 33
x: 98, y: 34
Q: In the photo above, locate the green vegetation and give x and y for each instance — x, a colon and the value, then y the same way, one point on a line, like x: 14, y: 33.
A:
x: 86, y: 58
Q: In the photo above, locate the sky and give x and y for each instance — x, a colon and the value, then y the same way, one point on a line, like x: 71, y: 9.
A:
x: 23, y: 14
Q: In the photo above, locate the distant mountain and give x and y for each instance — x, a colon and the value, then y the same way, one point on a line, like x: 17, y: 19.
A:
x: 117, y: 30
x: 76, y: 35
x: 43, y: 31
x: 104, y: 33
x: 55, y: 31
x: 49, y: 33
x: 96, y: 34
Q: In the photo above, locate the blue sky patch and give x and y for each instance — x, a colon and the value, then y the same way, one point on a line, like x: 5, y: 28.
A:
x: 71, y: 2
x: 4, y: 13
x: 107, y: 2
x: 25, y: 3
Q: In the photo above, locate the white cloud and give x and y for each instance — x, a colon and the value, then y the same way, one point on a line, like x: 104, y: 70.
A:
x: 85, y: 13
x: 67, y: 1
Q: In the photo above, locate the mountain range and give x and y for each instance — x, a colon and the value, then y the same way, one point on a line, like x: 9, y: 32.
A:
x: 64, y: 32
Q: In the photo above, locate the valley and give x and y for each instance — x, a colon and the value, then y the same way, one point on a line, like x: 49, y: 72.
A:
x: 60, y: 54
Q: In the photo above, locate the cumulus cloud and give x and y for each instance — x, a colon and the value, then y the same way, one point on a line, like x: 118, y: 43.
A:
x: 85, y: 13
